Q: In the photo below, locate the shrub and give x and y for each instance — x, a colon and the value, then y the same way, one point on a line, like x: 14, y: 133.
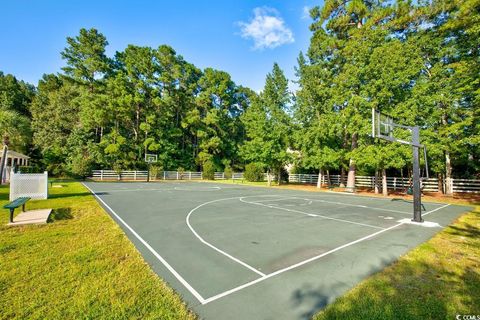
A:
x: 254, y: 172
x: 80, y: 167
x: 208, y: 170
x: 181, y: 172
x: 228, y: 172
x: 155, y: 170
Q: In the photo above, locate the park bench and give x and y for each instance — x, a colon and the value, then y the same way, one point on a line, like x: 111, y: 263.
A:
x: 15, y: 204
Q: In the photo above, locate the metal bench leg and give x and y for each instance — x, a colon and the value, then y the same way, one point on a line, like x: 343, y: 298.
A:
x: 23, y: 207
x: 11, y: 215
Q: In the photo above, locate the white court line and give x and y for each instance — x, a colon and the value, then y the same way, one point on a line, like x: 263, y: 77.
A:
x: 138, y: 189
x: 309, y: 214
x: 248, y: 284
x: 435, y: 209
x: 333, y: 202
x: 197, y: 189
x: 358, y: 206
x: 155, y: 253
x: 281, y: 199
x: 372, y: 197
x: 187, y: 219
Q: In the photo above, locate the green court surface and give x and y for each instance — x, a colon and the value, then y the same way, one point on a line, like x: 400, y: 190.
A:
x: 238, y: 252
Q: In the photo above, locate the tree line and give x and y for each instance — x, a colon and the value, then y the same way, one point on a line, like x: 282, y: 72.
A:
x: 416, y: 61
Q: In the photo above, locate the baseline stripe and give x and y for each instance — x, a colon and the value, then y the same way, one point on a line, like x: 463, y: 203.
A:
x: 435, y: 209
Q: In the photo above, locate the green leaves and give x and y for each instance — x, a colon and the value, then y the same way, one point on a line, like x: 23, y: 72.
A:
x: 268, y: 124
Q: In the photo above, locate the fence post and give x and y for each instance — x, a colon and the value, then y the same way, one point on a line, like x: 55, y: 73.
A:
x: 163, y: 175
x: 190, y: 175
x: 395, y: 183
x: 135, y: 175
x: 201, y: 175
x: 177, y: 175
x: 46, y: 184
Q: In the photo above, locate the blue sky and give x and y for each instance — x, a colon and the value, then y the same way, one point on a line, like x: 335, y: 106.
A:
x: 243, y: 38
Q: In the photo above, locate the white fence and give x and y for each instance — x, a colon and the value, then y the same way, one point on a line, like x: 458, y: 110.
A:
x: 32, y: 185
x: 111, y: 175
x: 466, y: 185
x: 393, y: 183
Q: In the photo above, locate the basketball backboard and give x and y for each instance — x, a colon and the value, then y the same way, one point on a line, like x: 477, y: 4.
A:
x: 151, y: 158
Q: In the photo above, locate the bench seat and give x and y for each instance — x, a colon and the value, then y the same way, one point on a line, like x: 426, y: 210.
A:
x: 15, y: 204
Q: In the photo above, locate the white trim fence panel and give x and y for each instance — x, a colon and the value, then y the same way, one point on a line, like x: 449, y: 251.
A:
x: 32, y: 185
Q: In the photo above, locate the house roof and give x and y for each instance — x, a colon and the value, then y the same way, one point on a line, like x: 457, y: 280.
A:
x: 14, y: 154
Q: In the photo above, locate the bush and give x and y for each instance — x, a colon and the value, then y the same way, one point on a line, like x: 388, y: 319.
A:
x: 80, y: 167
x: 228, y: 172
x: 155, y: 170
x: 181, y: 172
x: 254, y: 172
x: 208, y: 170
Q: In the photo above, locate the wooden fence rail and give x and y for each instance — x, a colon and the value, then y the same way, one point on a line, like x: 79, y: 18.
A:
x: 393, y: 183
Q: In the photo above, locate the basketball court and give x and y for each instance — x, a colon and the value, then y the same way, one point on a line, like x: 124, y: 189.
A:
x: 241, y: 252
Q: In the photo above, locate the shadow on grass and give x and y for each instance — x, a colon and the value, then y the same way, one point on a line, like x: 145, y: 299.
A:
x: 427, y: 286
x: 467, y: 230
x: 68, y: 195
x: 61, y: 214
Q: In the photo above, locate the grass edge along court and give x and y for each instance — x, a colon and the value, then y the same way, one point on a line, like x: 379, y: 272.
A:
x: 94, y: 270
x: 79, y: 265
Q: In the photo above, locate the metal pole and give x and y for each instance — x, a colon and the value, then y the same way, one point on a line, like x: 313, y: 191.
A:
x: 3, y: 162
x: 417, y: 192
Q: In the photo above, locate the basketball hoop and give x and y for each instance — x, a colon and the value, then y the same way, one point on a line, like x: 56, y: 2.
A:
x: 149, y: 159
x: 383, y: 127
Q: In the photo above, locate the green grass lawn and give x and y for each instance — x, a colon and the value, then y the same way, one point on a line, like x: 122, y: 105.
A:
x: 81, y: 265
x: 437, y: 280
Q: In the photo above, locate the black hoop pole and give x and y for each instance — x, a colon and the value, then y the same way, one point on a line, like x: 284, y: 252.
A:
x: 417, y: 192
x: 148, y: 171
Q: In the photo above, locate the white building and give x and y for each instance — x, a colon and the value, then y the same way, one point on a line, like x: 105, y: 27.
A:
x: 14, y: 159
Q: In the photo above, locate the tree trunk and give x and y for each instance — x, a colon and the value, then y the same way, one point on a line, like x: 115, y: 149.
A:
x: 384, y: 182
x: 319, y: 182
x: 448, y: 174
x: 342, y: 169
x: 328, y: 178
x: 279, y: 176
x: 440, y: 183
x: 376, y: 182
x: 269, y: 181
x: 448, y: 164
x: 137, y: 121
x: 352, y: 167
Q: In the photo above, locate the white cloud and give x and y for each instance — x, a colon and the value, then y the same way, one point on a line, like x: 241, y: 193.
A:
x: 306, y: 12
x: 267, y: 29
